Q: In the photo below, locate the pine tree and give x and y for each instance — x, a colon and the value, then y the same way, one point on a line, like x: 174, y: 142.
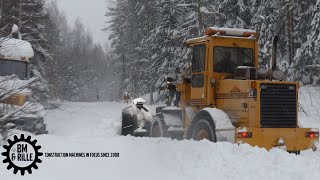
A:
x: 119, y: 28
x: 307, y: 58
x: 148, y: 36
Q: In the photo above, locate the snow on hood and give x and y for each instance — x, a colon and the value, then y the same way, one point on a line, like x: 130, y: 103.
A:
x: 15, y: 49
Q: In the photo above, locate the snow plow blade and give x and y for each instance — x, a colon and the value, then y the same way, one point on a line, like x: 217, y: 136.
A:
x: 136, y: 119
x: 289, y: 139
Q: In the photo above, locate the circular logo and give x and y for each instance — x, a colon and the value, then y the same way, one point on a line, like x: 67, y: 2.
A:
x: 22, y: 154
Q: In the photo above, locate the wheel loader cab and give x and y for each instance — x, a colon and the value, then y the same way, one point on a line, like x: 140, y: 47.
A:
x: 215, y: 57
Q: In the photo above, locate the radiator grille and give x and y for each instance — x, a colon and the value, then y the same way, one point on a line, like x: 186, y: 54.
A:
x: 278, y: 106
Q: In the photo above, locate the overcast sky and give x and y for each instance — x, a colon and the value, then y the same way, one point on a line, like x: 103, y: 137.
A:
x: 90, y: 12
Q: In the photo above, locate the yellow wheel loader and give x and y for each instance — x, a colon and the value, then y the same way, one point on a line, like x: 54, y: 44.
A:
x: 226, y: 98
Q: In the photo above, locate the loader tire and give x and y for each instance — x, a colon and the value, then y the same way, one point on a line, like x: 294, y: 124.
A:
x: 202, y: 129
x: 158, y: 127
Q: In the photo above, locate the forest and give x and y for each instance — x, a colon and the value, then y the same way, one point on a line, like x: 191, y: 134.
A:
x: 147, y: 36
x: 147, y: 42
x: 72, y: 66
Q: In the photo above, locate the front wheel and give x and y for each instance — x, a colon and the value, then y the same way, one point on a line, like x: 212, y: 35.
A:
x: 202, y: 129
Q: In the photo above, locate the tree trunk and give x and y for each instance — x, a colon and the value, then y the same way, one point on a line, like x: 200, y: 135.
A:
x: 290, y: 40
x: 151, y: 92
x: 200, y: 18
x: 151, y: 84
x: 1, y: 13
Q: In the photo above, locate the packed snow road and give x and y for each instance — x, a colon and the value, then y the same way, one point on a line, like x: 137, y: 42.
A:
x: 94, y: 127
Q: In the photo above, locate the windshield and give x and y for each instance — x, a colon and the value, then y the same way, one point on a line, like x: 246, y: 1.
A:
x: 226, y: 59
x: 9, y: 67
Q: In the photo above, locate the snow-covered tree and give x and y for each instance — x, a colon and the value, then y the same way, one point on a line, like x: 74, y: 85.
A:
x: 148, y: 36
x: 307, y: 59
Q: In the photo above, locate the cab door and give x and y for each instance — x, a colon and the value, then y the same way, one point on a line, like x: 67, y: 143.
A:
x: 198, y: 78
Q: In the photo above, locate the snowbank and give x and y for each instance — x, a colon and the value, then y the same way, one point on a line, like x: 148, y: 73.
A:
x: 100, y: 119
x: 309, y: 106
x: 159, y: 159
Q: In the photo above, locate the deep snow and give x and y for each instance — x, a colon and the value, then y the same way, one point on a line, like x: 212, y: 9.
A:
x: 309, y: 100
x: 94, y: 127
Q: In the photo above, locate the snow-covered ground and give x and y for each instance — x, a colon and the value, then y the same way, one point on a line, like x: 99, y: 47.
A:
x: 100, y: 119
x: 309, y: 100
x: 94, y: 127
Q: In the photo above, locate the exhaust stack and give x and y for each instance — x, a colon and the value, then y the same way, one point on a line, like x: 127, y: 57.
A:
x: 274, y: 52
x: 272, y: 73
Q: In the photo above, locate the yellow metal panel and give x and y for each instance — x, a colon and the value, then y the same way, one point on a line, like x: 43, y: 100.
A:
x: 237, y: 116
x: 197, y: 93
x: 18, y: 100
x: 294, y: 138
x: 253, y: 115
x: 233, y: 98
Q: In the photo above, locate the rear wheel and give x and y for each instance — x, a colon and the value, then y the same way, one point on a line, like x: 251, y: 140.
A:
x: 158, y: 128
x: 202, y: 129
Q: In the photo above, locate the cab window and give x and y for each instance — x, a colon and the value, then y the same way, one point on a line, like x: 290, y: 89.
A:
x: 226, y: 59
x: 198, y: 58
x: 198, y: 63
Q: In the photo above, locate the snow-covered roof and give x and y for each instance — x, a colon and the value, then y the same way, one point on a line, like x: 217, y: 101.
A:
x: 15, y: 49
x: 224, y: 32
x: 239, y: 30
x: 230, y: 31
